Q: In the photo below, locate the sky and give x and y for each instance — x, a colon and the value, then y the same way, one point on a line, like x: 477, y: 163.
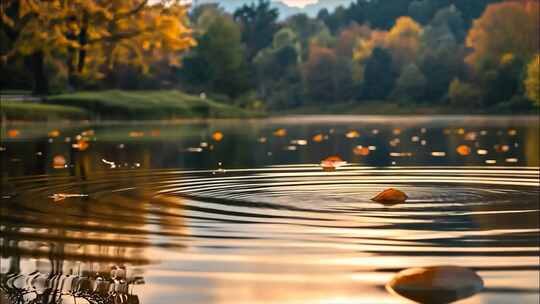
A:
x: 298, y: 3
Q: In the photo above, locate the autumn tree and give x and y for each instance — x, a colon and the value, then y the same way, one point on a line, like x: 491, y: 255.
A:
x: 327, y: 79
x: 532, y: 82
x: 95, y: 36
x: 511, y: 27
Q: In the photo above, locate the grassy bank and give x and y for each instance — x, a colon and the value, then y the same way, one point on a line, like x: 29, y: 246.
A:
x: 170, y: 104
x: 30, y: 111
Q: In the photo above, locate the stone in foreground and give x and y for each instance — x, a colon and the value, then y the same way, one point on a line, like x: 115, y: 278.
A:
x: 436, y: 285
x: 390, y: 196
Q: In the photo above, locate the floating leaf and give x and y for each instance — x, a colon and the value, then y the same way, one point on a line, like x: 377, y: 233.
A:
x: 81, y: 145
x: 390, y: 196
x: 59, y: 162
x: 217, y: 136
x: 13, y: 133
x: 352, y: 134
x: 54, y: 133
x: 502, y: 148
x: 318, y: 138
x: 332, y: 162
x: 396, y: 131
x: 470, y: 136
x: 361, y: 151
x: 280, y: 132
x: 442, y: 284
x: 463, y: 150
x: 136, y: 134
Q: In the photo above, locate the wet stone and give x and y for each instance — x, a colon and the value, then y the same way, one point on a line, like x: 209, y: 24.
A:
x: 436, y: 285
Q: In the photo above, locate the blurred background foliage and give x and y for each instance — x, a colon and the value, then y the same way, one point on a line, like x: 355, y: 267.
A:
x: 453, y: 53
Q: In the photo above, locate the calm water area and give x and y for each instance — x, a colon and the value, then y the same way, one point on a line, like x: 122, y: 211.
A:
x: 240, y: 211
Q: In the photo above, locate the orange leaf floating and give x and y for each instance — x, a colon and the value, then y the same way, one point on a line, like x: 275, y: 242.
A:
x: 318, y: 138
x: 442, y: 284
x: 390, y: 196
x: 463, y: 150
x: 361, y: 151
x: 13, y: 133
x: 471, y: 136
x: 136, y: 134
x: 502, y: 148
x: 280, y: 132
x: 217, y: 136
x: 352, y: 134
x: 54, y: 133
x: 396, y: 131
x: 332, y: 162
x: 81, y: 145
x: 88, y: 133
x: 59, y: 162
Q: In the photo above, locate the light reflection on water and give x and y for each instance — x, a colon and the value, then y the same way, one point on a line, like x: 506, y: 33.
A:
x: 189, y: 230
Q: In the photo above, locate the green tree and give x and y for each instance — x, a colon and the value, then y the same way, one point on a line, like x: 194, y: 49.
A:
x: 441, y: 54
x: 464, y: 95
x: 218, y: 62
x: 259, y: 24
x: 379, y: 75
x: 411, y: 84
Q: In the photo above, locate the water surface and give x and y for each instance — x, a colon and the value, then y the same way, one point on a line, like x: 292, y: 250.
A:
x: 165, y: 213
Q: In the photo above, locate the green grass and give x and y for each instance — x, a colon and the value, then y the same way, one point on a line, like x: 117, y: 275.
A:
x: 31, y: 111
x: 131, y: 105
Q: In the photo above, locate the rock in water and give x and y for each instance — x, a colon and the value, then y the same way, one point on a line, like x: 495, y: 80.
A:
x: 390, y: 196
x: 436, y: 285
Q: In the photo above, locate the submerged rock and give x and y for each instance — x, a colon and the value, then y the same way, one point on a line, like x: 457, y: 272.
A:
x: 436, y: 285
x: 390, y: 196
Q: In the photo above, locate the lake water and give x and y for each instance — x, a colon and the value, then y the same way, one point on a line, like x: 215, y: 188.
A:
x: 177, y: 213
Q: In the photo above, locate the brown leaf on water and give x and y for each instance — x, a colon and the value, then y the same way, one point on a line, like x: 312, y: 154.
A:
x: 332, y: 162
x: 352, y: 134
x: 471, y: 136
x: 318, y: 138
x: 217, y: 136
x: 280, y: 132
x: 13, y: 133
x: 502, y: 148
x: 361, y: 151
x: 390, y: 196
x: 81, y: 145
x: 463, y: 150
x: 59, y: 162
x: 54, y: 133
x: 136, y: 134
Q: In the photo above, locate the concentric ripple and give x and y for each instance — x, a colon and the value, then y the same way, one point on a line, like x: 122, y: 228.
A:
x: 306, y: 234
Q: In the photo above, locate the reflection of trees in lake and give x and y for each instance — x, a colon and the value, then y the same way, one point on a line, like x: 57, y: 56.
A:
x: 79, y: 249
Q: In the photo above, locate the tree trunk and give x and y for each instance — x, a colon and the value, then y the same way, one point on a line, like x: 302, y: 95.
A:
x: 41, y: 83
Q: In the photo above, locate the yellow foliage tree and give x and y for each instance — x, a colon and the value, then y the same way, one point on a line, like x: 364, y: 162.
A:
x: 532, y: 82
x: 511, y: 27
x: 95, y: 35
x: 402, y: 40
